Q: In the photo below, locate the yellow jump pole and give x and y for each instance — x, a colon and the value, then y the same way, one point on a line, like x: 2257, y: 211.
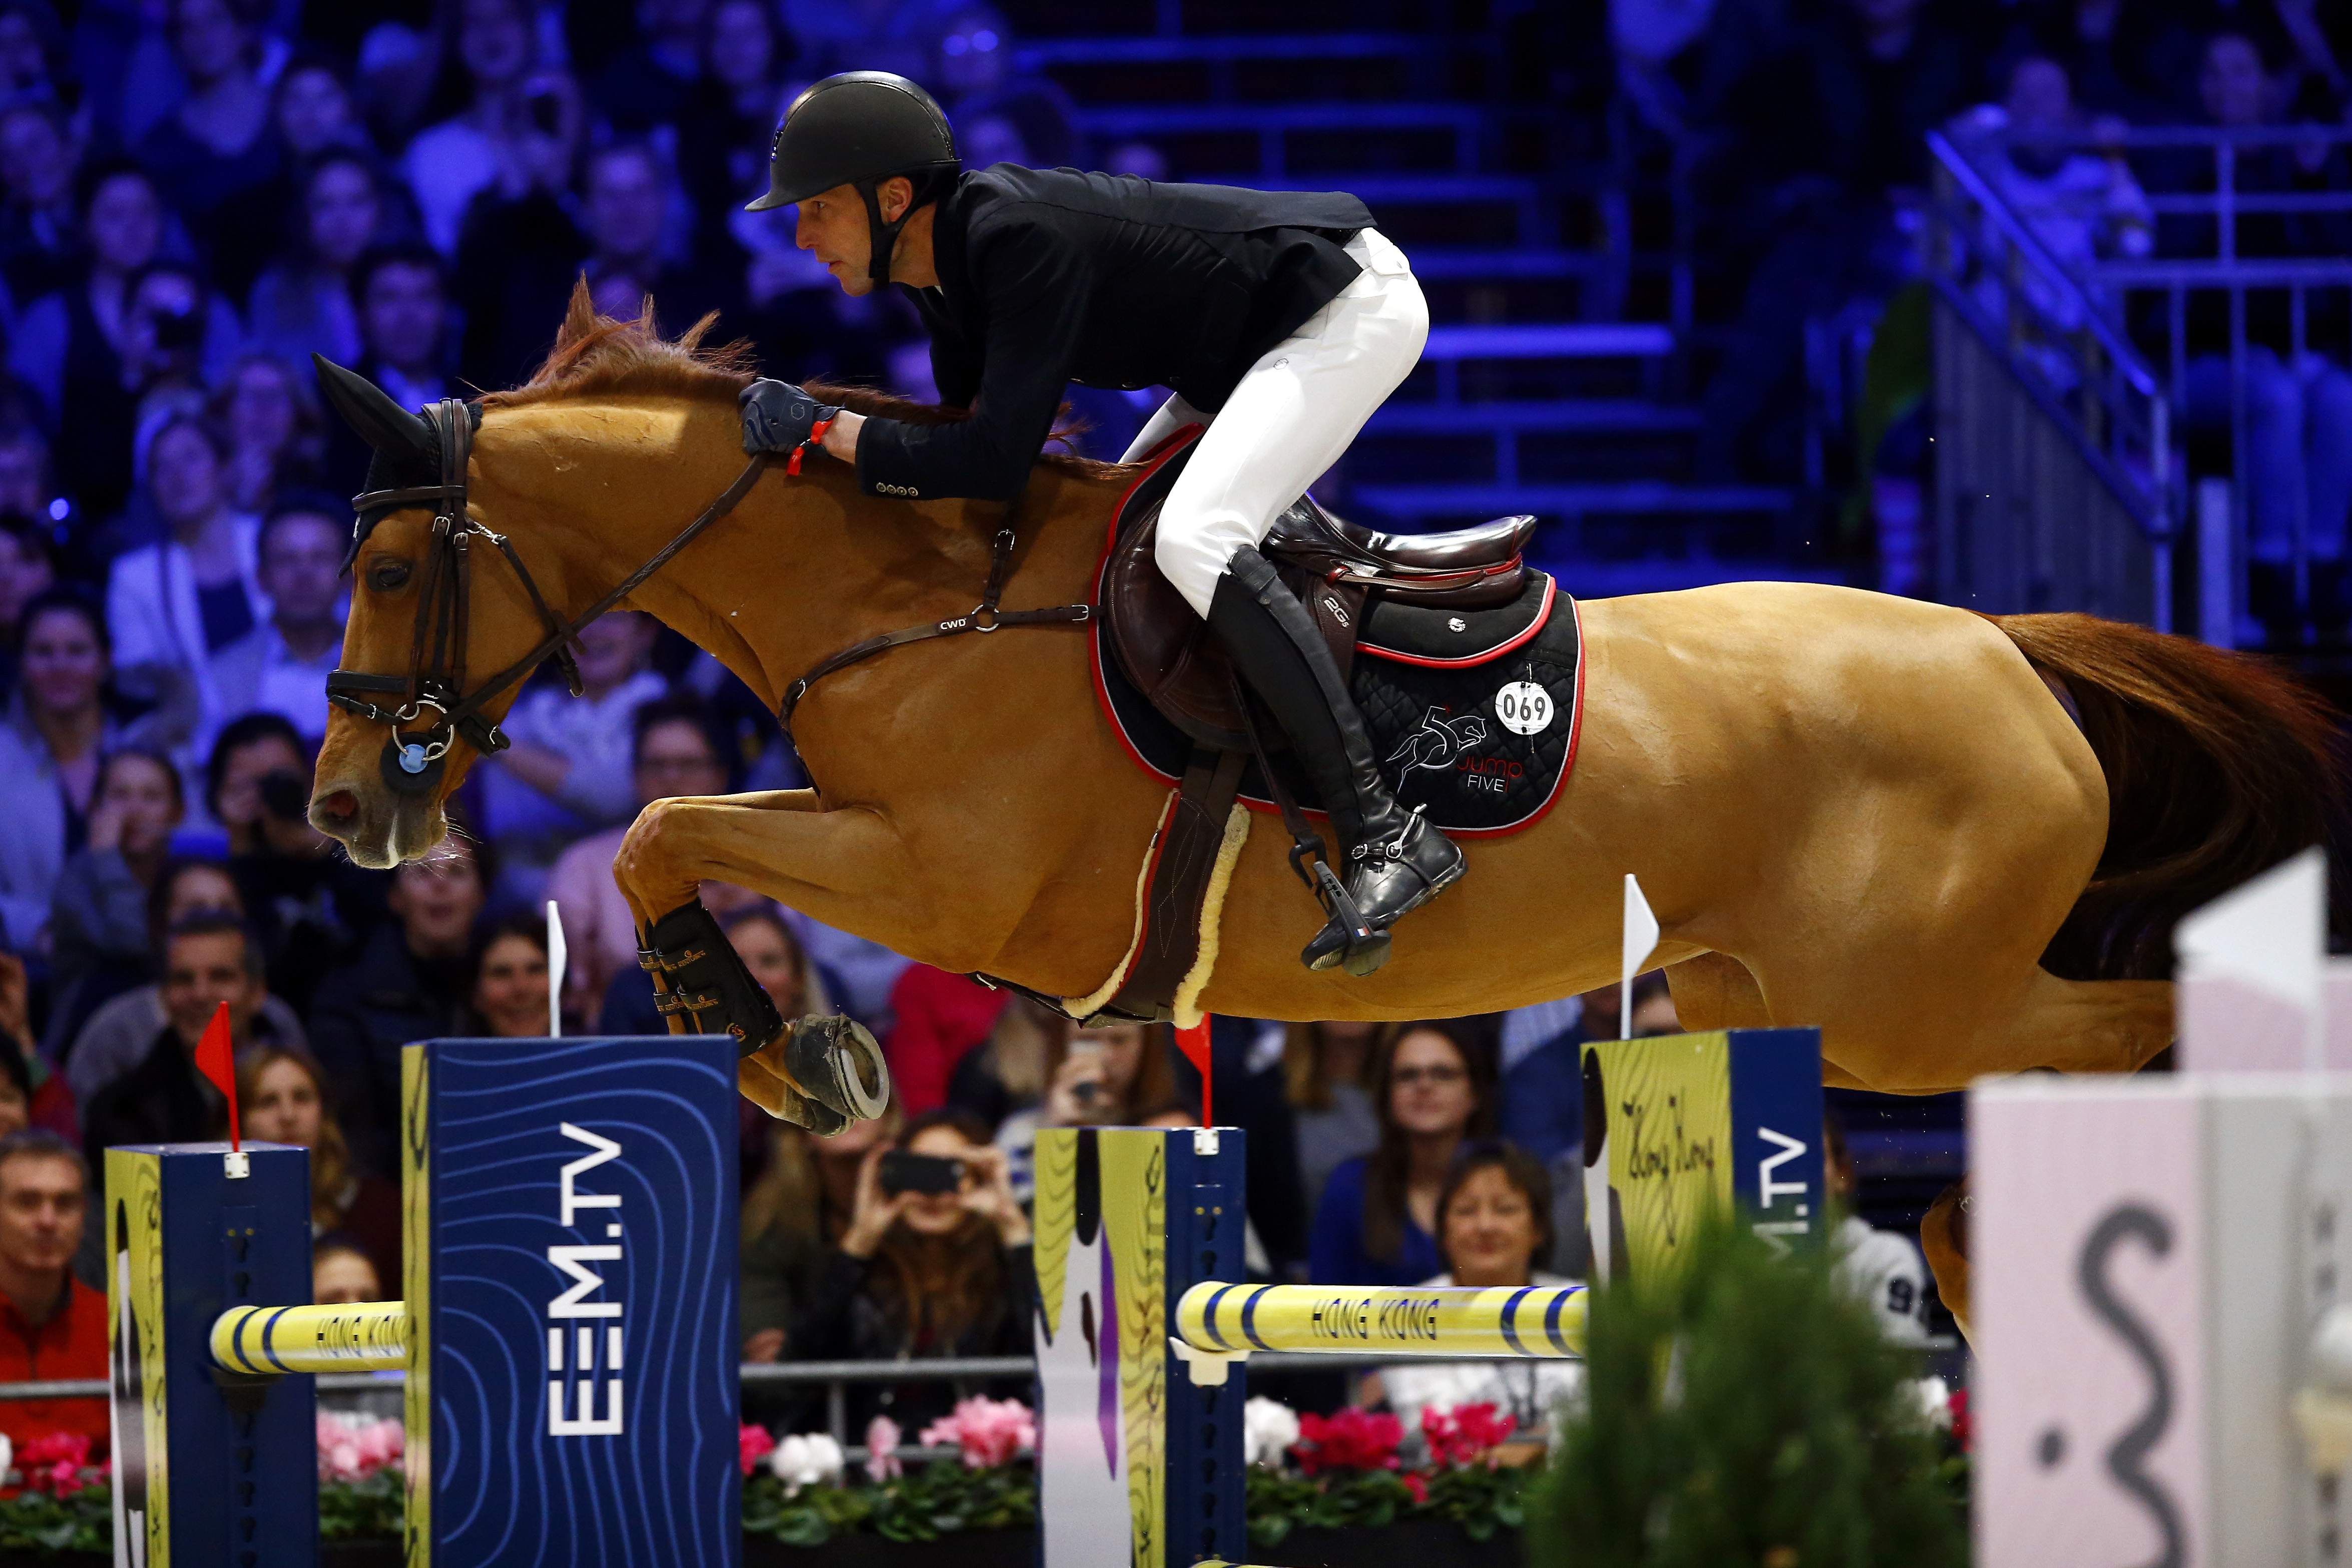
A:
x: 362, y: 1336
x: 1521, y: 1321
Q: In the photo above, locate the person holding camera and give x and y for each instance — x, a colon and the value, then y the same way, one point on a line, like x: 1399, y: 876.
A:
x: 1118, y: 1075
x: 312, y: 908
x: 934, y: 1262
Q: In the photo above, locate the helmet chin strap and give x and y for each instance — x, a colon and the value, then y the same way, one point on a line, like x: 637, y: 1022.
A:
x: 885, y: 235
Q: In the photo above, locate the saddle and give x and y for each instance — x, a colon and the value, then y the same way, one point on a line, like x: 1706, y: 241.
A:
x: 1339, y: 570
x: 1346, y: 574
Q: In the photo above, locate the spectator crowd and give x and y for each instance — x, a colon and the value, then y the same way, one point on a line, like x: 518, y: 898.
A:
x: 197, y: 194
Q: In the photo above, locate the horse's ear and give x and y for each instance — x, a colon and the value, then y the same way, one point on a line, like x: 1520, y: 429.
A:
x: 374, y: 417
x: 580, y: 318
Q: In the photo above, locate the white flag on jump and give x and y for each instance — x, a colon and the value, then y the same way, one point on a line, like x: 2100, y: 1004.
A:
x: 555, y: 957
x: 1640, y: 941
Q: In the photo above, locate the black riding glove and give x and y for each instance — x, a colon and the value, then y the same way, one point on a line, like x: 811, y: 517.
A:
x: 780, y: 417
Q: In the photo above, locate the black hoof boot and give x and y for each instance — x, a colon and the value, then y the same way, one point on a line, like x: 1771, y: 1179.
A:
x: 831, y: 1062
x: 1389, y: 878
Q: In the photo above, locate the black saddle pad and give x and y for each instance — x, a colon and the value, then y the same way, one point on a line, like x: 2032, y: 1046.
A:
x: 1474, y: 713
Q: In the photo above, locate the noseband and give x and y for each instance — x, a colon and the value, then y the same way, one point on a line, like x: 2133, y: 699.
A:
x: 413, y: 760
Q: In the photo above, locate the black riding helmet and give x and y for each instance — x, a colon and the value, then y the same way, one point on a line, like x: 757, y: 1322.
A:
x: 859, y: 129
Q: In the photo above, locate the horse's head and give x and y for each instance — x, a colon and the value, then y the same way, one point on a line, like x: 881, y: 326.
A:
x: 440, y: 610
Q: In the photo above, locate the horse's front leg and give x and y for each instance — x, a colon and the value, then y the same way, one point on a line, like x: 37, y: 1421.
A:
x: 821, y: 1072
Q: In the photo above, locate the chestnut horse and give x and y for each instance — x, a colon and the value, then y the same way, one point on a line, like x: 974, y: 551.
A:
x: 1954, y: 843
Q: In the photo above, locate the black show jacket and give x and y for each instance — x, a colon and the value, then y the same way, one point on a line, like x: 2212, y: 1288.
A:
x: 1051, y: 276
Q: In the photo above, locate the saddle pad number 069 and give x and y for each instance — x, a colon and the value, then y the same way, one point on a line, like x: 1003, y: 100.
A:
x: 1482, y: 742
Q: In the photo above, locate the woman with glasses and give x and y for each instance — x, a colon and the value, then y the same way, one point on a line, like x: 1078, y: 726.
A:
x: 1432, y: 1088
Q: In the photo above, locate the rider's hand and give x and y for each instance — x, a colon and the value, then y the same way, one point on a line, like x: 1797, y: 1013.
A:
x: 780, y: 417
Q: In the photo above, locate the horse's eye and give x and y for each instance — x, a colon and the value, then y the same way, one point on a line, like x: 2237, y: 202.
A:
x: 388, y: 576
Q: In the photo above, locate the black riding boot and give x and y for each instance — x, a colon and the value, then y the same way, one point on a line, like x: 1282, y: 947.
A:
x: 1396, y: 862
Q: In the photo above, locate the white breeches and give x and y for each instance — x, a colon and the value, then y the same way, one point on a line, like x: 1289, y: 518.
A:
x: 1293, y: 415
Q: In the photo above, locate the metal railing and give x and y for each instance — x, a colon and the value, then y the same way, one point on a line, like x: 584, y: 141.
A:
x: 2083, y: 335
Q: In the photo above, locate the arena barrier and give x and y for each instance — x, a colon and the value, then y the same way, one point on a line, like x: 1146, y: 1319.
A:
x: 569, y: 1332
x: 1138, y: 1230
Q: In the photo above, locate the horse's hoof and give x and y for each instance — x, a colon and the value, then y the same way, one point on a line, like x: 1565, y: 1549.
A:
x: 835, y: 1062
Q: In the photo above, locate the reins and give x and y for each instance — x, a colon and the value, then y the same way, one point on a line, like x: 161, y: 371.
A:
x: 436, y: 680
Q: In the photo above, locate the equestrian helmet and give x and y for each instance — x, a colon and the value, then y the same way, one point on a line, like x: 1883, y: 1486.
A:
x: 857, y: 129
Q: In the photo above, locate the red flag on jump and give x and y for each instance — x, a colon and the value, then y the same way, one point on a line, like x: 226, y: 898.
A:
x: 1194, y: 1043
x: 216, y: 1061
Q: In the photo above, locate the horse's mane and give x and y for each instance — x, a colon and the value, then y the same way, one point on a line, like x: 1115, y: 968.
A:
x: 595, y: 354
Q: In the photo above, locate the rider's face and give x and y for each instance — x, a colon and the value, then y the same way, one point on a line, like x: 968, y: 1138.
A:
x: 833, y: 225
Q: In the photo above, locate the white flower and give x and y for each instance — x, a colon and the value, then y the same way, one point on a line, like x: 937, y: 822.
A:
x: 1934, y: 1401
x: 807, y: 1458
x: 1268, y: 1430
x: 7, y: 1456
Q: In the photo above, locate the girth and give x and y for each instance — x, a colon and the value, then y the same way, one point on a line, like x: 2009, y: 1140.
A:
x: 435, y: 681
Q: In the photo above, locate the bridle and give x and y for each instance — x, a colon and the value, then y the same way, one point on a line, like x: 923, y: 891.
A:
x: 435, y: 681
x: 412, y: 760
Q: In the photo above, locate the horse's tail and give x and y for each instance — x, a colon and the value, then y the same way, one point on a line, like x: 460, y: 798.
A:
x: 2219, y: 766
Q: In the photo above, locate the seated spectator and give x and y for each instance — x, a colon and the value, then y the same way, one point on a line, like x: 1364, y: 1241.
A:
x: 216, y: 145
x: 675, y: 751
x: 2134, y: 58
x: 68, y: 345
x: 936, y: 1018
x: 28, y: 489
x: 627, y: 195
x: 98, y: 915
x: 924, y: 1274
x: 725, y: 132
x: 38, y: 151
x: 37, y: 1094
x: 275, y: 433
x: 283, y: 1097
x: 403, y: 317
x: 509, y: 989
x: 2298, y: 453
x: 1377, y: 1221
x: 971, y: 62
x: 1495, y: 1233
x: 1004, y: 1074
x: 57, y: 732
x: 654, y: 81
x: 192, y: 593
x: 301, y: 303
x: 282, y: 665
x: 520, y: 243
x: 28, y: 569
x: 310, y: 905
x: 208, y: 960
x: 410, y: 981
x: 794, y: 1217
x: 118, y: 1034
x: 567, y: 770
x: 1114, y: 1075
x: 341, y: 1274
x: 1326, y: 1076
x: 494, y: 51
x: 2082, y: 205
x: 313, y: 112
x: 1881, y: 1269
x: 52, y: 1326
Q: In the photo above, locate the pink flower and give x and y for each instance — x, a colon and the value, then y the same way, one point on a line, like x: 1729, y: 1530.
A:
x: 752, y: 1445
x: 54, y: 1461
x: 1349, y: 1440
x: 352, y: 1448
x: 1465, y: 1433
x: 988, y: 1431
x: 882, y: 1437
x: 1415, y: 1485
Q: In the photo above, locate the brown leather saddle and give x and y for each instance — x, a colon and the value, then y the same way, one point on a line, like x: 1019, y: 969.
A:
x: 1337, y: 569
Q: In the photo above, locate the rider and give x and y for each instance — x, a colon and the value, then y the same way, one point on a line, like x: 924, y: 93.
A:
x: 1280, y: 320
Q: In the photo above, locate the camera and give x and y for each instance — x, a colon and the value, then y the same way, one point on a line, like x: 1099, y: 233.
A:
x: 903, y: 1172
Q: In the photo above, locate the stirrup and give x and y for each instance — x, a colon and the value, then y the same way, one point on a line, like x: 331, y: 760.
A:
x: 1347, y: 937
